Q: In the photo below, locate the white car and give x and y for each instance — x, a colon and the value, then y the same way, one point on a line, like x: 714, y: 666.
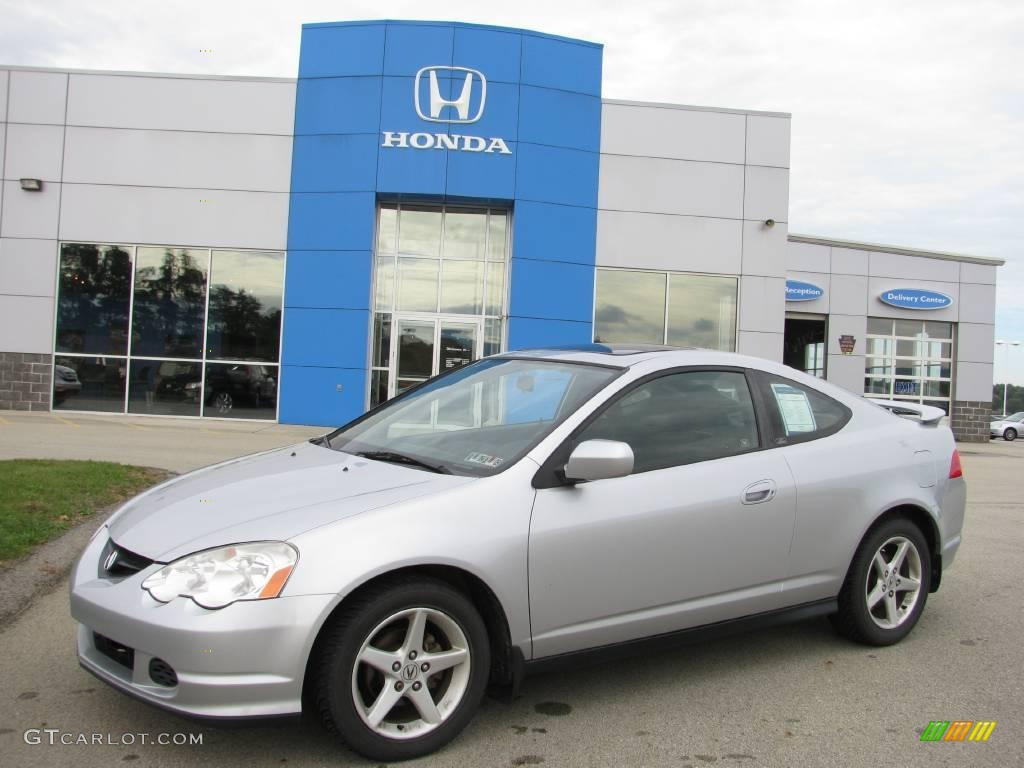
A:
x: 1008, y: 427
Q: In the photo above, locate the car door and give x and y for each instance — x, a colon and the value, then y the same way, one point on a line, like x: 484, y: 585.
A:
x: 699, y: 533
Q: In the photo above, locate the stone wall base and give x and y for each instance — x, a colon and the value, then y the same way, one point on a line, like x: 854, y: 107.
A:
x: 970, y: 420
x: 25, y: 381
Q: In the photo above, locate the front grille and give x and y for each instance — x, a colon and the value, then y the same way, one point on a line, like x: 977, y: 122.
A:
x: 162, y: 673
x: 114, y: 650
x: 119, y: 562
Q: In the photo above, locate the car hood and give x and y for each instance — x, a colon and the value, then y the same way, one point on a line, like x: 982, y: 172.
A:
x: 1002, y: 423
x: 267, y: 496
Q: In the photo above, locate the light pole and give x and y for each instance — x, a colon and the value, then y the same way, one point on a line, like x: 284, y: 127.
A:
x: 1006, y: 365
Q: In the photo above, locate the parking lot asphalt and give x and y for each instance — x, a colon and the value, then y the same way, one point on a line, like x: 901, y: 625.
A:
x: 792, y: 696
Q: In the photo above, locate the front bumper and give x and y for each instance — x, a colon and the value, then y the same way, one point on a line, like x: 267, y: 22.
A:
x: 245, y: 660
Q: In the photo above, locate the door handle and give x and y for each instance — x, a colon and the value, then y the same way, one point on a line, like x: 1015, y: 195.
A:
x: 759, y: 492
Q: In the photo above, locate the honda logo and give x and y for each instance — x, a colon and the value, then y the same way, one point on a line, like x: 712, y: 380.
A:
x: 427, y: 92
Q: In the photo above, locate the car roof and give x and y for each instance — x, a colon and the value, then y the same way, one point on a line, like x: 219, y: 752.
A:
x: 628, y: 355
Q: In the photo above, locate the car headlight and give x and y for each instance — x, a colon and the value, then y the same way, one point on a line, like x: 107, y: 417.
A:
x: 192, y: 385
x: 218, y: 577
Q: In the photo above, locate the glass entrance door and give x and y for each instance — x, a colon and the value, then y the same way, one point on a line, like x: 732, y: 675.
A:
x: 427, y: 346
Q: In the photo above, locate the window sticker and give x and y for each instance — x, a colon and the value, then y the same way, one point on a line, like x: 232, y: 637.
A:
x: 484, y: 459
x: 795, y: 408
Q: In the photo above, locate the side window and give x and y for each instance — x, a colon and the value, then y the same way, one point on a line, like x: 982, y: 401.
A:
x: 680, y: 418
x: 801, y: 413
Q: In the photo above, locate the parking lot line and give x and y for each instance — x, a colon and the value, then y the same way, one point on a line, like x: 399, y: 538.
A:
x: 62, y: 420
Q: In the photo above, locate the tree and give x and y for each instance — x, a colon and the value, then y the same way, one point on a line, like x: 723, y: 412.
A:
x: 1014, y: 399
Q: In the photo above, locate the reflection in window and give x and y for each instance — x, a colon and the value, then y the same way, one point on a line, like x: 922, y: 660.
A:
x: 245, y: 306
x: 170, y: 302
x: 632, y: 307
x: 462, y: 288
x: 417, y: 285
x: 82, y: 383
x: 236, y: 391
x: 419, y: 232
x: 465, y: 234
x: 164, y: 387
x: 94, y: 294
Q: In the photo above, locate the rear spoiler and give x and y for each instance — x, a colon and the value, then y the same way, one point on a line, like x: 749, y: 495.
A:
x: 926, y: 414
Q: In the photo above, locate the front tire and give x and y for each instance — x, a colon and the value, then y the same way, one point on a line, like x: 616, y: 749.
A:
x: 887, y: 585
x: 401, y: 670
x: 1010, y: 434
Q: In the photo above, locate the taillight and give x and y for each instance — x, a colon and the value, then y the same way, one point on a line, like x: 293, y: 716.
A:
x: 955, y: 470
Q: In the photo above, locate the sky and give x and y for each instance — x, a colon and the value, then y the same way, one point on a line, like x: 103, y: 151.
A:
x: 908, y: 117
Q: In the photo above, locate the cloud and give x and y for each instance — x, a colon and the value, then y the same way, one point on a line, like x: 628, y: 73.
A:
x: 907, y: 116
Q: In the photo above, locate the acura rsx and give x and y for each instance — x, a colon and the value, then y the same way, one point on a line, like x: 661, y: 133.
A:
x: 509, y: 515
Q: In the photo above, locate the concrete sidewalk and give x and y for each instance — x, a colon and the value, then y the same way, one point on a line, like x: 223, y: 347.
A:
x: 177, y: 445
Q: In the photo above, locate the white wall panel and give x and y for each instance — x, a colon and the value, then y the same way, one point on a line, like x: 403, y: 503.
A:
x: 662, y: 241
x: 973, y: 382
x: 34, y: 151
x: 808, y: 257
x: 189, y: 104
x: 174, y: 216
x: 4, y: 78
x: 766, y: 195
x: 670, y: 186
x: 27, y: 267
x: 977, y: 303
x: 178, y: 159
x: 849, y: 294
x: 26, y: 324
x: 768, y: 140
x: 975, y: 342
x: 977, y: 273
x: 847, y: 325
x: 37, y: 97
x: 913, y: 267
x: 676, y: 133
x: 846, y: 371
x: 764, y: 249
x: 847, y: 261
x: 30, y: 214
x: 764, y: 345
x: 762, y: 304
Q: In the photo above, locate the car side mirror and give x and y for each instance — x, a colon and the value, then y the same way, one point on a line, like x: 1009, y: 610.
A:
x: 599, y: 460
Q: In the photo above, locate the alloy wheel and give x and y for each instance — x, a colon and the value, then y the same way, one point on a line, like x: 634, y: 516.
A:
x: 223, y: 402
x: 893, y: 584
x: 411, y: 673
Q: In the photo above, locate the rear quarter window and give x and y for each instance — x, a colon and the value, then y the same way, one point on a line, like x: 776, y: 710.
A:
x: 797, y: 413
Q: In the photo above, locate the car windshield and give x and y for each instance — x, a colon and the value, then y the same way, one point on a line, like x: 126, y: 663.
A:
x: 1015, y: 416
x: 476, y: 420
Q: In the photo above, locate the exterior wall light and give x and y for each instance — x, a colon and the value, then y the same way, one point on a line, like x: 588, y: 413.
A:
x: 31, y: 185
x: 769, y: 223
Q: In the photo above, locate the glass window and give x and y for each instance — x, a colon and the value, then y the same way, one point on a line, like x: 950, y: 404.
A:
x: 85, y: 383
x: 419, y: 231
x: 497, y: 236
x: 909, y: 360
x: 236, y: 391
x: 93, y: 298
x: 164, y: 387
x: 387, y: 229
x: 630, y: 307
x: 465, y: 233
x: 462, y: 287
x: 702, y: 311
x: 880, y: 326
x: 679, y: 419
x: 417, y: 284
x: 170, y: 302
x: 801, y: 413
x: 495, y: 300
x: 245, y: 306
x: 384, y: 284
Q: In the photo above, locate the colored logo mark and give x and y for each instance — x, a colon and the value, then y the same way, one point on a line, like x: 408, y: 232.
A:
x: 958, y: 730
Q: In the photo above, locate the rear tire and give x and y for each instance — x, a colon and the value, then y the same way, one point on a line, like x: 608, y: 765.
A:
x: 387, y: 714
x: 1010, y: 434
x: 886, y: 586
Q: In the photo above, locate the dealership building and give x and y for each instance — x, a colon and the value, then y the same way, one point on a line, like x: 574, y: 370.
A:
x: 422, y: 195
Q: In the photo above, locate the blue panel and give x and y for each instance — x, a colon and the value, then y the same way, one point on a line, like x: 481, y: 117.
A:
x: 561, y: 118
x: 487, y: 175
x: 398, y: 108
x: 554, y: 232
x: 529, y: 332
x: 310, y: 395
x: 338, y: 105
x: 332, y: 338
x: 330, y: 163
x: 409, y: 47
x: 339, y: 279
x: 501, y: 114
x: 404, y: 170
x: 496, y: 54
x: 555, y: 175
x: 337, y: 221
x: 552, y: 289
x: 341, y: 50
x: 559, y: 64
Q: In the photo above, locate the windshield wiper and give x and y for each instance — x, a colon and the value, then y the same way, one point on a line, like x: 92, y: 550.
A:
x: 401, y: 458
